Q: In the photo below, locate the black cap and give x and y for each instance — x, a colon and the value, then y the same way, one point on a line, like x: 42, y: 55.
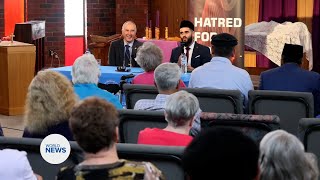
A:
x: 292, y: 51
x: 224, y: 39
x: 186, y: 23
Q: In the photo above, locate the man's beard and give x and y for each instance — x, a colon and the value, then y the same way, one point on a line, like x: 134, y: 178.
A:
x: 188, y: 42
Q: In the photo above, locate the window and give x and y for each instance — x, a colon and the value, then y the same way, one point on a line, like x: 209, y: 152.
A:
x: 73, y: 10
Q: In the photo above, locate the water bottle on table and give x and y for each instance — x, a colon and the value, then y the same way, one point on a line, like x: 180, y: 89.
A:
x: 184, y: 63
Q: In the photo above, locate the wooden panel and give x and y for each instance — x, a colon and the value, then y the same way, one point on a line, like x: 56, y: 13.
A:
x: 304, y: 14
x: 251, y: 16
x: 17, y: 70
x: 173, y: 10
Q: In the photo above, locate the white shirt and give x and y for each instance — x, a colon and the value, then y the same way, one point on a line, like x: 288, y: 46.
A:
x: 14, y: 165
x: 221, y: 74
x: 190, y: 52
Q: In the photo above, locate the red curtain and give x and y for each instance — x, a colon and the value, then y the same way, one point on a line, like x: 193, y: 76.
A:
x: 316, y: 35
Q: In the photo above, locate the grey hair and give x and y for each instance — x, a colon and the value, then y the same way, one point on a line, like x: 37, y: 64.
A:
x: 167, y: 76
x: 181, y: 107
x: 85, y: 70
x: 149, y: 56
x: 128, y: 22
x: 282, y: 157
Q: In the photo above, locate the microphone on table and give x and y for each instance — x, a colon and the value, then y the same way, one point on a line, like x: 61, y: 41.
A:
x: 124, y: 77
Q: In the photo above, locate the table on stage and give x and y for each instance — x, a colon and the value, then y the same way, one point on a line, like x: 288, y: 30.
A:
x: 164, y: 45
x: 109, y: 75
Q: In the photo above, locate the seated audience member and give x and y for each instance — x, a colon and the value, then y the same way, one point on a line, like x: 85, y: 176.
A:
x: 85, y: 77
x: 221, y: 153
x: 167, y: 77
x: 291, y: 77
x: 180, y: 111
x: 122, y: 50
x: 94, y: 124
x: 197, y: 54
x: 15, y: 166
x: 219, y: 73
x: 50, y: 99
x: 282, y: 157
x: 149, y: 57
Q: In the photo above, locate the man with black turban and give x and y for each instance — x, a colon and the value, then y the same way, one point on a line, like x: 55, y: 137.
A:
x: 291, y: 77
x: 197, y: 54
x: 219, y: 73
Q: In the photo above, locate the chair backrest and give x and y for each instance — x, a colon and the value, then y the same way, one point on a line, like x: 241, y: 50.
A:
x: 218, y: 100
x: 210, y: 100
x: 289, y: 106
x: 38, y: 164
x: 255, y: 126
x: 309, y: 134
x: 134, y: 93
x: 165, y: 158
x: 133, y: 121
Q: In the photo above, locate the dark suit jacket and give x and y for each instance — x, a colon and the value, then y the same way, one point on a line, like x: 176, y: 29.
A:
x: 200, y: 55
x: 116, y: 53
x: 291, y: 77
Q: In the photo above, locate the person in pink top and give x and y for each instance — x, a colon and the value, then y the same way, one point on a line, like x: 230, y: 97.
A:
x: 180, y: 110
x: 149, y: 56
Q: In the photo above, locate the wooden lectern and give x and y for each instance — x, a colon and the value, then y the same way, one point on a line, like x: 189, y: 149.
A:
x: 17, y: 62
x: 32, y: 32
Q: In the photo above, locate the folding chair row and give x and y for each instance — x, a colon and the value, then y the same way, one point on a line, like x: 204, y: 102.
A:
x: 210, y: 100
x: 289, y: 106
x: 167, y: 159
x: 256, y: 126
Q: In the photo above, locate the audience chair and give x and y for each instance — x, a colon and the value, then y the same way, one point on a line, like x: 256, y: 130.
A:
x: 165, y: 158
x: 38, y: 164
x: 133, y: 121
x: 255, y: 126
x: 210, y: 100
x: 309, y: 134
x: 289, y: 106
x: 134, y: 93
x: 218, y: 100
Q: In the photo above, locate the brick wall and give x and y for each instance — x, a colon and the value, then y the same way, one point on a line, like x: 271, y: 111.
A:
x: 101, y: 17
x: 52, y: 11
x: 134, y: 10
x: 1, y: 18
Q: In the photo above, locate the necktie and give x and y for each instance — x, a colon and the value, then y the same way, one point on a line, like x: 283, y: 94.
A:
x: 187, y: 53
x: 127, y: 55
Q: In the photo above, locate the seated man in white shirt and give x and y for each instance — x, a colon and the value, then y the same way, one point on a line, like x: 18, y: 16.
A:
x: 219, y: 73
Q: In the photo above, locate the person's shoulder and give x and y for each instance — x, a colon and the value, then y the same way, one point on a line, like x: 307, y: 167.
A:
x: 200, y: 45
x: 116, y: 42
x: 137, y: 43
x: 13, y: 153
x: 270, y: 71
x: 66, y: 172
x: 149, y: 170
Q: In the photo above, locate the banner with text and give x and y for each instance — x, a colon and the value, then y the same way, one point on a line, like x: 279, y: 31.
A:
x: 212, y: 17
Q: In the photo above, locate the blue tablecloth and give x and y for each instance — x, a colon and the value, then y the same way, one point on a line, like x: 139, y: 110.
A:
x: 110, y: 75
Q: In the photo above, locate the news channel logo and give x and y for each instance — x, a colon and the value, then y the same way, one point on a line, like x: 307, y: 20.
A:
x: 55, y: 149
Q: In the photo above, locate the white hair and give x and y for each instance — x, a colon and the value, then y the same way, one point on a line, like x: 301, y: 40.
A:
x: 181, y: 107
x: 85, y: 70
x: 282, y: 157
x: 149, y: 56
x: 167, y: 76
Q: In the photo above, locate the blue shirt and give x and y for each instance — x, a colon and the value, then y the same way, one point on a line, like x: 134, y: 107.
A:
x: 87, y: 90
x: 221, y: 74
